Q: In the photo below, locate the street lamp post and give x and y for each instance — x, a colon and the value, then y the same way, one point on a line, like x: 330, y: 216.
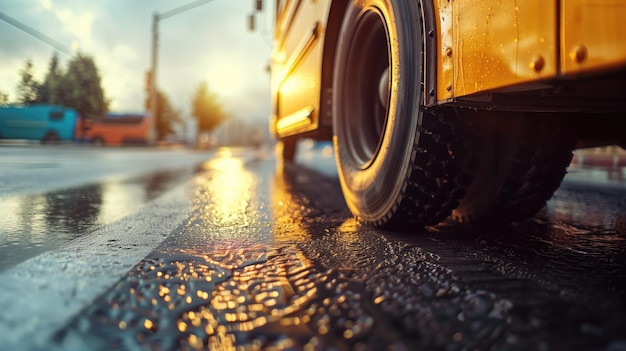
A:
x: 152, y: 82
x: 156, y: 17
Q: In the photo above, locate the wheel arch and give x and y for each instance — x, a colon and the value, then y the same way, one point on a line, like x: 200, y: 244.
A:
x: 331, y: 38
x: 431, y: 44
x: 98, y: 139
x: 51, y: 136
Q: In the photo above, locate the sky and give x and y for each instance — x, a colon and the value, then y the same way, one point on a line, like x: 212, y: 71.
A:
x: 209, y: 43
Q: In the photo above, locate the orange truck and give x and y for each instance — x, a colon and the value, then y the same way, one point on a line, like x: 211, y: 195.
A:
x: 439, y: 108
x: 113, y: 129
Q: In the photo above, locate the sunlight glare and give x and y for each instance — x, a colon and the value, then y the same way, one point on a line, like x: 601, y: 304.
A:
x: 226, y: 79
x: 46, y: 4
x: 230, y: 189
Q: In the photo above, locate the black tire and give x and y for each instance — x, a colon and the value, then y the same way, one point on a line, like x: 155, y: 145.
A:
x: 51, y: 137
x: 396, y: 159
x: 521, y: 161
x: 287, y: 148
x: 97, y: 141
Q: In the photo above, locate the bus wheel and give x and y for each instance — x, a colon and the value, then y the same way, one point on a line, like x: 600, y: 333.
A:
x: 397, y: 160
x: 51, y: 137
x: 521, y: 161
x: 97, y: 141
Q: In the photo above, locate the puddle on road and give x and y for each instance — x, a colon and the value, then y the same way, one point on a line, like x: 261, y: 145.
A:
x: 33, y: 224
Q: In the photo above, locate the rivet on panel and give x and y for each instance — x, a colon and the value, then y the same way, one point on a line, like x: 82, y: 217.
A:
x: 449, y: 52
x: 449, y: 87
x: 537, y: 64
x: 579, y: 54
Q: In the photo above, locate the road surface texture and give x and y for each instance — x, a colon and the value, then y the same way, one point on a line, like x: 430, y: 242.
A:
x: 251, y: 255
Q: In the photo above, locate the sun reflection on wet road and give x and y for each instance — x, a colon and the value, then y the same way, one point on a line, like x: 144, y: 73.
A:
x: 230, y: 187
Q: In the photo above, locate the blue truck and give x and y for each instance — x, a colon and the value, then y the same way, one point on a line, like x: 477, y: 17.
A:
x: 44, y: 123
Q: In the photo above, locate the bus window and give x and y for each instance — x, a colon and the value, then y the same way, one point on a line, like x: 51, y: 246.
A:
x: 56, y: 115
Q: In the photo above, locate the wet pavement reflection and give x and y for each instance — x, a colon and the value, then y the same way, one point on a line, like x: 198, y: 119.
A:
x: 33, y: 224
x: 273, y: 260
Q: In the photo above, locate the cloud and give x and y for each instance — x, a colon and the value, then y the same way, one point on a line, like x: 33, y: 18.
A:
x: 123, y: 85
x: 208, y: 43
x: 79, y: 25
x: 46, y: 4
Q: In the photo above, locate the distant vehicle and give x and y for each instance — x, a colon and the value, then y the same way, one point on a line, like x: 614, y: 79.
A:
x: 44, y: 123
x: 114, y: 129
x: 437, y: 108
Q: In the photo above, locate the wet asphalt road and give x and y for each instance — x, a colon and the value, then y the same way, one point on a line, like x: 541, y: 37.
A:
x: 247, y: 255
x: 52, y: 195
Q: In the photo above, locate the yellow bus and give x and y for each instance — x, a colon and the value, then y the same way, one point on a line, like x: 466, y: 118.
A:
x: 439, y: 108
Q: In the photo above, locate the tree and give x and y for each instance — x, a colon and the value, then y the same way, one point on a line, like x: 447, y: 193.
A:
x: 166, y: 115
x: 28, y: 87
x: 82, y: 88
x: 51, y: 91
x: 207, y: 109
x: 4, y: 99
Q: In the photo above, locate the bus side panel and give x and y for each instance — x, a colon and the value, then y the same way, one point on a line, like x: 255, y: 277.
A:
x: 592, y: 35
x: 296, y: 64
x: 63, y: 124
x: 136, y: 133
x: 22, y: 123
x: 445, y: 65
x: 70, y: 127
x: 495, y: 44
x: 504, y: 43
x: 299, y: 94
x: 23, y: 128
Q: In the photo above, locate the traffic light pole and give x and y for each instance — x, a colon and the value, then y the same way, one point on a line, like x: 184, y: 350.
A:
x: 156, y: 17
x: 152, y: 74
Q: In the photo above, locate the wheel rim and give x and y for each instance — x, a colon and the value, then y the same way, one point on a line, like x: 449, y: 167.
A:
x: 365, y: 103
